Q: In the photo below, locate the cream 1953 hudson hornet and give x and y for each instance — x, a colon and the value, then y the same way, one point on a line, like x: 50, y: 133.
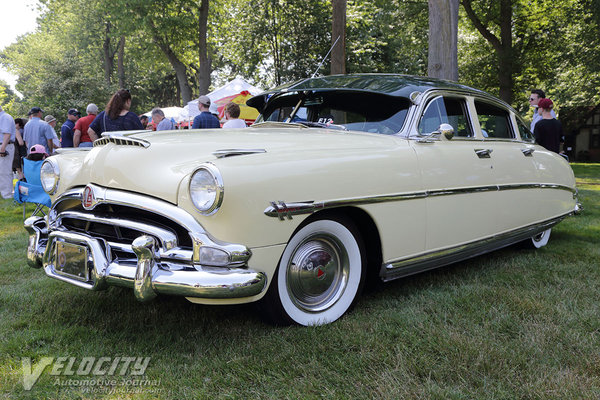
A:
x: 342, y: 178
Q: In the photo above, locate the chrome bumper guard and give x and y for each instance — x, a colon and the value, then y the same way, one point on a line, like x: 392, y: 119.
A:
x: 149, y: 276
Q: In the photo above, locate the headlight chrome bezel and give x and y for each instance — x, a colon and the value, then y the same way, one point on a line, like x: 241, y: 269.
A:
x: 213, y: 171
x: 55, y: 171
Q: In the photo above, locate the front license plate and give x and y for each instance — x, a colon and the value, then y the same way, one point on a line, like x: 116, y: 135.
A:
x: 71, y: 261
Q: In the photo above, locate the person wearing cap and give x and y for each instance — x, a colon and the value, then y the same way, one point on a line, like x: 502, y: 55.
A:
x: 37, y: 131
x: 7, y: 148
x: 51, y: 121
x: 548, y: 130
x: 37, y: 153
x: 81, y: 137
x: 534, y: 98
x: 67, y: 130
x: 205, y: 120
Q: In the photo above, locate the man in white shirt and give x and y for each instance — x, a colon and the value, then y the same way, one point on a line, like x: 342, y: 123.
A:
x: 232, y: 113
x: 7, y: 148
x: 534, y: 98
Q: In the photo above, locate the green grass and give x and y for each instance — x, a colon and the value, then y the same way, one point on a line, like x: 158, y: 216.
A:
x: 514, y: 324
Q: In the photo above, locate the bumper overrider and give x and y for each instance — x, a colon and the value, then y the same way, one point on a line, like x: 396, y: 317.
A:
x: 151, y: 259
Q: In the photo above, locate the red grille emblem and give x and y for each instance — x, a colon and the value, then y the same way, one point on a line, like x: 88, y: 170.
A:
x: 88, y: 201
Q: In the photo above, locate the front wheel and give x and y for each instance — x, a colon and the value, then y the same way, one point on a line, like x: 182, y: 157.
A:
x: 320, y: 274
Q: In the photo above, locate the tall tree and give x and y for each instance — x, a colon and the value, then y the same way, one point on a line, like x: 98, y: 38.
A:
x: 443, y: 39
x: 497, y: 18
x: 338, y: 37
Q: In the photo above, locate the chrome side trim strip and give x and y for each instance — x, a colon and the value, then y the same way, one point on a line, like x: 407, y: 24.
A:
x: 283, y: 210
x: 394, y: 269
x: 236, y: 152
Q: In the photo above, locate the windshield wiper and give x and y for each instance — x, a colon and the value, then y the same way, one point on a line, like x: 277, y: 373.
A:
x: 313, y: 124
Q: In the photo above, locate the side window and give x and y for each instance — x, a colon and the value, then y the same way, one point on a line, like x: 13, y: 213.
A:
x: 494, y: 121
x: 446, y: 110
x: 524, y: 131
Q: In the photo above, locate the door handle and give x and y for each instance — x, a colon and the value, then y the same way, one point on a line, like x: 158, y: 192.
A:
x: 483, y: 153
x: 528, y: 152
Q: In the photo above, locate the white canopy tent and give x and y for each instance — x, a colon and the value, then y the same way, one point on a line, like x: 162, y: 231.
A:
x: 234, y: 87
x: 177, y: 114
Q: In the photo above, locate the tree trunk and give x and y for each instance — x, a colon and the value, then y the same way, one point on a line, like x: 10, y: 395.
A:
x: 121, y: 62
x: 108, y: 54
x: 204, y: 68
x: 503, y: 46
x: 443, y: 39
x: 179, y: 67
x: 338, y: 30
x: 505, y: 55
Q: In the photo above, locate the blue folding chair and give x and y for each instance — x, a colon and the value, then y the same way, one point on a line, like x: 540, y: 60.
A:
x: 32, y: 191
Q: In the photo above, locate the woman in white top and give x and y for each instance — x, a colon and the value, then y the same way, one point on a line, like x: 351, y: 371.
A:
x: 232, y: 113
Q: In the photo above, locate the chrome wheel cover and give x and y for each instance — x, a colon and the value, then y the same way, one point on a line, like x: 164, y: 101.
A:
x: 317, y: 273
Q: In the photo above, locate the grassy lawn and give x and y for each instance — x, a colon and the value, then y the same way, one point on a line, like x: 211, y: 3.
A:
x: 514, y: 324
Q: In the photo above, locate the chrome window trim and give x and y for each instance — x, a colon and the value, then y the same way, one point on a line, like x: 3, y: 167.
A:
x: 508, y: 110
x: 282, y: 210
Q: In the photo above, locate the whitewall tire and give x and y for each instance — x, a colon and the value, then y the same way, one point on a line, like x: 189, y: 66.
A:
x: 541, y: 239
x: 320, y: 275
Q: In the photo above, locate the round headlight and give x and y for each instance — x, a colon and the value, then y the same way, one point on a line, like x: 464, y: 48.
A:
x: 49, y: 175
x: 206, y: 189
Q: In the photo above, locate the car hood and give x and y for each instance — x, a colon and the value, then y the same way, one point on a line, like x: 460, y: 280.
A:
x: 168, y: 157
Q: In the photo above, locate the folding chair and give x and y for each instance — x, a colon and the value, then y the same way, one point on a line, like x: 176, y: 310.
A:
x: 32, y: 190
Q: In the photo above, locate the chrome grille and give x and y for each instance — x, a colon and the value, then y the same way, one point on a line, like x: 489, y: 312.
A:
x: 119, y: 225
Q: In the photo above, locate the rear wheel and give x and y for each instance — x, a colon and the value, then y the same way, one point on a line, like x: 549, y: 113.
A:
x: 537, y: 241
x: 320, y: 274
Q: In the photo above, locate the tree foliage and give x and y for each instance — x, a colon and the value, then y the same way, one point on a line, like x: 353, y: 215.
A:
x: 83, y: 51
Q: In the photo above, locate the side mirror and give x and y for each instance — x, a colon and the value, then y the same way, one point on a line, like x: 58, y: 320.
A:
x: 446, y: 130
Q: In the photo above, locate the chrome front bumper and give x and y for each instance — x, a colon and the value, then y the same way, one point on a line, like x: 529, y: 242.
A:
x: 151, y: 272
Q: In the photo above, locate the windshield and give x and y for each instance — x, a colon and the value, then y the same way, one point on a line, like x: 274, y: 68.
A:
x: 357, y: 111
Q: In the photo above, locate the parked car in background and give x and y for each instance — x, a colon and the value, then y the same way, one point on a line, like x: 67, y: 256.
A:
x: 341, y: 179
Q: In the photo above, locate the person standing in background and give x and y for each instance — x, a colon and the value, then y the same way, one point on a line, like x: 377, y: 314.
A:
x: 548, y: 131
x: 232, y: 114
x: 20, y: 148
x: 67, y: 130
x: 81, y: 137
x: 162, y: 123
x: 51, y: 121
x: 205, y: 120
x: 116, y: 116
x: 37, y: 131
x: 534, y: 98
x: 7, y: 148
